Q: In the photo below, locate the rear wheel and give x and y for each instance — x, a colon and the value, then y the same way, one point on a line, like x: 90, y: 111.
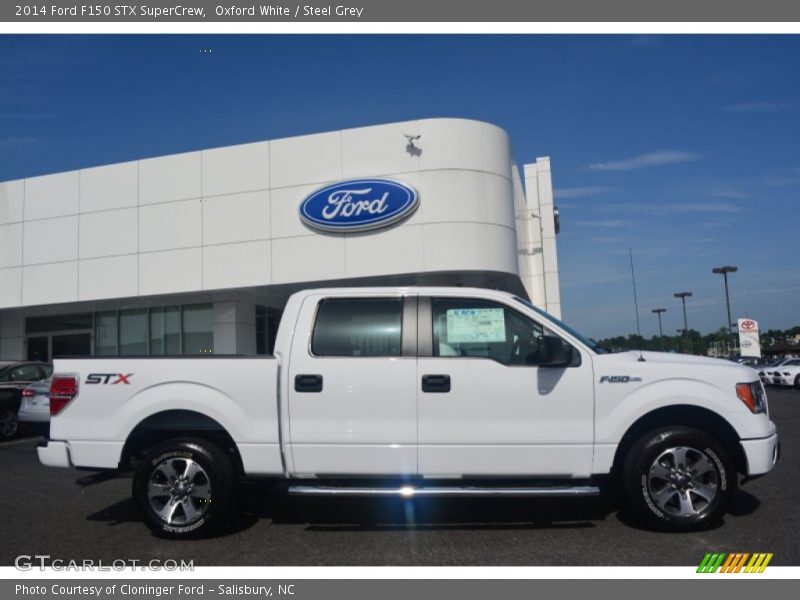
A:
x: 678, y: 478
x: 9, y: 423
x: 183, y: 488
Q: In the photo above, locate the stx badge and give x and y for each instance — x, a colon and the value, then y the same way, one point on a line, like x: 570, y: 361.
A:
x: 105, y: 378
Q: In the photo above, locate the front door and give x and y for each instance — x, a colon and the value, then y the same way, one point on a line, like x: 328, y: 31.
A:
x: 486, y: 408
x: 352, y: 387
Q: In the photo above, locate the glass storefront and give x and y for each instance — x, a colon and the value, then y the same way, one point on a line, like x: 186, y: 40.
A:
x: 160, y: 331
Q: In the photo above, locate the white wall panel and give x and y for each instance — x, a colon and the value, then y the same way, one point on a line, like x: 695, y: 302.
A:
x: 109, y: 233
x: 50, y: 240
x: 502, y: 248
x: 112, y: 186
x: 309, y: 258
x: 12, y: 199
x: 451, y: 144
x: 170, y: 178
x: 236, y: 218
x: 50, y: 284
x: 395, y: 250
x: 452, y: 196
x: 236, y: 265
x: 10, y: 245
x: 113, y: 277
x: 497, y: 157
x: 379, y: 150
x: 498, y: 198
x: 451, y: 246
x: 284, y: 211
x: 170, y: 225
x: 235, y: 169
x: 170, y: 272
x: 10, y: 287
x: 52, y: 195
x: 305, y: 159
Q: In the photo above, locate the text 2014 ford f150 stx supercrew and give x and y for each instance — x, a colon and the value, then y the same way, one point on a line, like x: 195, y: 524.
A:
x: 415, y: 391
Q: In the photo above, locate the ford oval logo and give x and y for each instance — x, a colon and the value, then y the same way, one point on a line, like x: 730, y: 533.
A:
x: 358, y: 205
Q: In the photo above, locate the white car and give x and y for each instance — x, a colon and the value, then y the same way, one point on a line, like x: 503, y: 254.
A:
x: 777, y: 372
x: 787, y: 375
x: 35, y: 404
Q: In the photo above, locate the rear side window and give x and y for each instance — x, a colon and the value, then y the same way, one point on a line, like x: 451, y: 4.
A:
x: 358, y: 327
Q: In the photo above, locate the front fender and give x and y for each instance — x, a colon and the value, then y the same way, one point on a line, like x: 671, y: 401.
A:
x: 616, y: 411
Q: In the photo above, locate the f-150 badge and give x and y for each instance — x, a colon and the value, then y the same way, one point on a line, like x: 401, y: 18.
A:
x: 619, y: 379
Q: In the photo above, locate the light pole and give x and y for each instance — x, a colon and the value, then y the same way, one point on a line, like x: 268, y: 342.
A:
x: 724, y: 272
x: 659, y: 311
x: 683, y: 296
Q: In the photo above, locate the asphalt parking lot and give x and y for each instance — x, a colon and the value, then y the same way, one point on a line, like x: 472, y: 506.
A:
x: 75, y: 515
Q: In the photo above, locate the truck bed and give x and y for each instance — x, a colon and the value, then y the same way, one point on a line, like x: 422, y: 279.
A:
x: 116, y: 393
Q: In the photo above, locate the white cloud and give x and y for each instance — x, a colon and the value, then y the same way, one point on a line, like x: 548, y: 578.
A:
x: 649, y: 159
x: 582, y: 192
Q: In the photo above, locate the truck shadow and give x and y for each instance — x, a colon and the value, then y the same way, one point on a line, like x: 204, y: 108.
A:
x: 261, y: 502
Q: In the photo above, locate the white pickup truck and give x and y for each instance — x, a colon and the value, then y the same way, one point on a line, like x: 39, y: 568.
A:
x: 411, y: 392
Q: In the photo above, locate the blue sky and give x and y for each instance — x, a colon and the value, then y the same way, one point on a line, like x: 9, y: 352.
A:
x: 684, y: 148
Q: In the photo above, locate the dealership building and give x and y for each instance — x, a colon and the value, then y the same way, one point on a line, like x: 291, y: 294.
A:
x: 198, y: 252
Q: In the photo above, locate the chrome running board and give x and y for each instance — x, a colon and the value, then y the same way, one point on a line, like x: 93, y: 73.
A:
x: 408, y: 491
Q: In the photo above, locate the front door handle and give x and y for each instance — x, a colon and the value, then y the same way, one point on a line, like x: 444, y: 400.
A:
x: 436, y: 384
x: 308, y: 383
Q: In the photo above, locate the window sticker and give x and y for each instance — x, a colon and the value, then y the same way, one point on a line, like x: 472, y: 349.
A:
x: 471, y: 325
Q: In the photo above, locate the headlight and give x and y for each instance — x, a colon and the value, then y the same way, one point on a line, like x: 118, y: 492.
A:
x: 752, y: 394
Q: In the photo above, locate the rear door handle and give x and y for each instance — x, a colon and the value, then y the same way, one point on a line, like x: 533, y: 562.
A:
x: 436, y: 384
x: 308, y: 383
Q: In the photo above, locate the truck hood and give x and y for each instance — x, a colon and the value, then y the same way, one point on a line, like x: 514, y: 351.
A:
x: 658, y: 366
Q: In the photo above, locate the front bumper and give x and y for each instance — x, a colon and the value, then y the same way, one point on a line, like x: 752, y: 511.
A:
x: 761, y: 454
x: 54, y: 454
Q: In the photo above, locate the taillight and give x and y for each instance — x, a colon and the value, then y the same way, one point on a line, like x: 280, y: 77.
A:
x: 63, y: 389
x: 28, y: 393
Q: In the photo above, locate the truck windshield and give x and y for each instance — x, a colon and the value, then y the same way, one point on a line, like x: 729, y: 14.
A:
x: 587, y: 341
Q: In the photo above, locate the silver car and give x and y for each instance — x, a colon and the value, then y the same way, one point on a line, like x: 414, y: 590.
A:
x: 34, y: 406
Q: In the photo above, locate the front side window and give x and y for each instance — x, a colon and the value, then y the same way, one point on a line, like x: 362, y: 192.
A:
x: 479, y: 328
x: 358, y: 327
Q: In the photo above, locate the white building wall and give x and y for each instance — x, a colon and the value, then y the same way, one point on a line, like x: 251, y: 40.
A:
x: 206, y: 224
x: 228, y: 217
x: 538, y: 253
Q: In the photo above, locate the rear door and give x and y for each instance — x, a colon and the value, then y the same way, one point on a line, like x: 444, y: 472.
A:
x: 352, y: 387
x: 486, y: 407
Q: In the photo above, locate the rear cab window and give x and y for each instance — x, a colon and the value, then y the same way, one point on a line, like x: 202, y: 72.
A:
x: 358, y: 327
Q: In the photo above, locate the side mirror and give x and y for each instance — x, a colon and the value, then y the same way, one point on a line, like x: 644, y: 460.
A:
x: 553, y: 352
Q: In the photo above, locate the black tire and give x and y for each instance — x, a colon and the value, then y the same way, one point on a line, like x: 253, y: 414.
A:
x: 194, y: 503
x: 669, y: 497
x: 797, y: 382
x: 9, y: 423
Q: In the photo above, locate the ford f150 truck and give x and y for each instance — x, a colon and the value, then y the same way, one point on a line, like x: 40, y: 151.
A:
x: 415, y: 392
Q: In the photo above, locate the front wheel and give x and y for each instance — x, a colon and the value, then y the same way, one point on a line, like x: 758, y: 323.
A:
x: 797, y: 382
x: 183, y: 488
x: 9, y: 423
x: 678, y: 478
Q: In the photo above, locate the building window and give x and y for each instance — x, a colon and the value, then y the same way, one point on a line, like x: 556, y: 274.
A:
x: 50, y: 324
x: 105, y: 333
x: 198, y: 329
x: 165, y: 330
x: 267, y: 320
x: 133, y: 331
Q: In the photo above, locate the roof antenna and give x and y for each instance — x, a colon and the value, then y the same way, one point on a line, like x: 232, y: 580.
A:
x: 636, y: 304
